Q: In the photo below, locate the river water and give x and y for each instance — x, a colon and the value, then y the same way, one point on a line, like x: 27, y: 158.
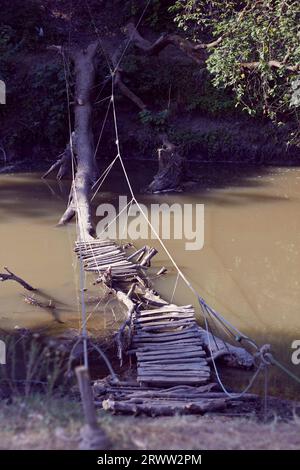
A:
x: 248, y: 268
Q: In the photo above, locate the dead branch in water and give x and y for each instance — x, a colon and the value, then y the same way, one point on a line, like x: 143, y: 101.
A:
x: 45, y: 305
x: 13, y: 277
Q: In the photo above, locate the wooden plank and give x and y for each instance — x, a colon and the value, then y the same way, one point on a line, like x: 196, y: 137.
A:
x: 102, y: 253
x: 174, y: 361
x: 96, y: 262
x: 168, y: 308
x: 185, y: 331
x: 172, y: 373
x: 175, y: 367
x: 173, y: 380
x: 176, y: 345
x: 166, y: 339
x: 172, y: 316
x: 148, y: 357
x: 150, y: 314
x: 168, y: 326
x: 183, y: 347
x: 167, y: 352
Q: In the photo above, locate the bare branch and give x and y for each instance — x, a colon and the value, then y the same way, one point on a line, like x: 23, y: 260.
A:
x: 13, y: 277
x: 127, y: 92
x: 194, y: 51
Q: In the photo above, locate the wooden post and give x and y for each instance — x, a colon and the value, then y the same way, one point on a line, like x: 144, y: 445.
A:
x: 92, y: 437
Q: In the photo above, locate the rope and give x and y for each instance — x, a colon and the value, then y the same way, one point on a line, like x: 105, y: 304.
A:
x: 283, y: 368
x: 204, y: 306
x: 175, y: 287
x: 103, y: 177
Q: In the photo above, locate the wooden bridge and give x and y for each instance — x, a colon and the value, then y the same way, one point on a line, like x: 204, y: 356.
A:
x: 172, y: 356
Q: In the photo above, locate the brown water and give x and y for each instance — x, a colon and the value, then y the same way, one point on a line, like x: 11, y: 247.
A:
x: 249, y: 268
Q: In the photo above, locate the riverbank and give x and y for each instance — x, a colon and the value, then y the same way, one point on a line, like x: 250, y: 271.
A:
x: 34, y: 423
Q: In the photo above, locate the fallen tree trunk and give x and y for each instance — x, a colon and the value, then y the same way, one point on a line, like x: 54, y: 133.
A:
x: 86, y: 168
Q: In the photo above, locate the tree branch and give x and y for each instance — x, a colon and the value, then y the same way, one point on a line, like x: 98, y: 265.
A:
x: 13, y: 277
x: 195, y: 51
x: 271, y: 64
x: 127, y: 92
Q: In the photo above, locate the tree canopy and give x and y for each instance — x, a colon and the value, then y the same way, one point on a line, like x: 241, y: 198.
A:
x: 256, y: 49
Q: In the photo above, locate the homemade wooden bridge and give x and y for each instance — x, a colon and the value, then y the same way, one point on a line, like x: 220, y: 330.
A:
x: 172, y: 368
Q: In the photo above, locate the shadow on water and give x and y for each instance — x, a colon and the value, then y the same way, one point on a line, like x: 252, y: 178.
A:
x: 28, y: 195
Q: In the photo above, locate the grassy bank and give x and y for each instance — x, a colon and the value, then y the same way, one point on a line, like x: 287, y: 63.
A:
x: 34, y: 423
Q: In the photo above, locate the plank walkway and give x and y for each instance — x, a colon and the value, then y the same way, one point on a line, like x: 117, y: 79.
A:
x: 172, y: 372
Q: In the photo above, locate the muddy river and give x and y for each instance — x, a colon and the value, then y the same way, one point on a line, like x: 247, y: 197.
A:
x: 248, y: 268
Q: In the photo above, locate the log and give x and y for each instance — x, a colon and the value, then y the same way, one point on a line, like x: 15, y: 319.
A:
x: 85, y: 74
x: 137, y: 253
x: 233, y: 356
x: 152, y: 409
x: 147, y: 259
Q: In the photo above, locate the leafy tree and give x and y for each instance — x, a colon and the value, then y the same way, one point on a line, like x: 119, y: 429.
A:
x: 255, y: 50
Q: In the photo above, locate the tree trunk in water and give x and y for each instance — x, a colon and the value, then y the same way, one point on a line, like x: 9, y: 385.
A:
x: 86, y: 167
x: 171, y: 168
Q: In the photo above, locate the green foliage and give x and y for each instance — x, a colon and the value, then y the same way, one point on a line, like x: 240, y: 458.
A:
x: 156, y: 15
x: 48, y: 81
x: 22, y: 19
x: 211, y: 145
x: 158, y: 121
x: 256, y: 32
x: 40, y: 96
x: 176, y: 85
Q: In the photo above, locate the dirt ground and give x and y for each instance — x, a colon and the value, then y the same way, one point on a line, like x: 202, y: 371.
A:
x: 36, y: 423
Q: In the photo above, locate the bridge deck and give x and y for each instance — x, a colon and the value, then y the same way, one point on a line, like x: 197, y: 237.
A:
x: 165, y: 340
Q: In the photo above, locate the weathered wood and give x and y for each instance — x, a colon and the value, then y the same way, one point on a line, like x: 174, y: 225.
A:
x: 87, y: 398
x: 177, y: 360
x: 147, y: 258
x: 169, y: 326
x: 168, y: 308
x: 168, y: 338
x: 173, y: 380
x: 175, y: 367
x: 159, y: 409
x: 172, y: 363
x: 147, y: 373
x: 85, y: 72
x: 174, y: 355
x: 137, y: 253
x: 158, y: 318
